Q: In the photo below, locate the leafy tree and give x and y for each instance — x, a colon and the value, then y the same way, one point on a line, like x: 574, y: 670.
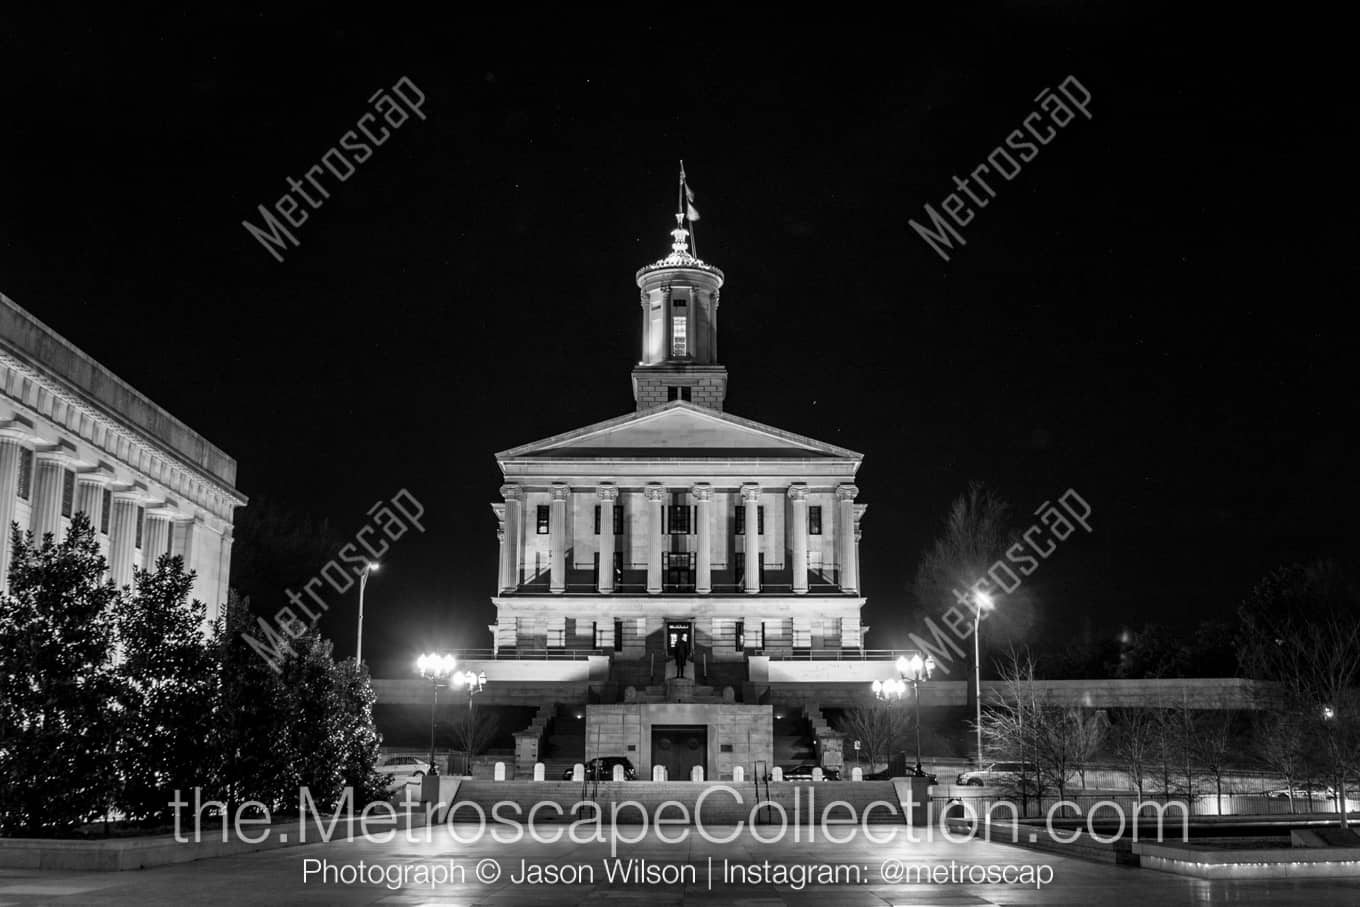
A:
x: 59, y: 719
x: 1300, y: 627
x: 309, y: 724
x: 167, y: 685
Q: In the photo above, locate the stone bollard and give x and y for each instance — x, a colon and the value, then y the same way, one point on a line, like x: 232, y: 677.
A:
x: 738, y: 774
x: 729, y: 694
x: 618, y: 773
x: 658, y: 773
x: 578, y: 772
x: 817, y: 774
x: 499, y: 772
x: 777, y: 774
x: 540, y: 771
x: 696, y: 773
x: 857, y: 774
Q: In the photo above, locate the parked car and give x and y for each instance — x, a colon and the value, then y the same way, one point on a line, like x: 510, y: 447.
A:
x: 601, y: 768
x: 887, y: 775
x: 1304, y: 792
x: 1000, y: 774
x: 803, y: 772
x: 403, y: 770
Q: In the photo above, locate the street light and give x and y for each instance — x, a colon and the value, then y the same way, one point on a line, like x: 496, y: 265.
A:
x: 475, y: 683
x: 435, y: 668
x: 914, y: 670
x: 983, y: 602
x: 370, y: 567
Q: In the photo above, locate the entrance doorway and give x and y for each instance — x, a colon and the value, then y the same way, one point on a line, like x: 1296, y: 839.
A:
x: 679, y: 640
x: 679, y: 748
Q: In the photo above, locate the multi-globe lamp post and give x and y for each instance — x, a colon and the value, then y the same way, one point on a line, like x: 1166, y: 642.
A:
x: 911, y: 671
x: 475, y: 683
x: 437, y: 669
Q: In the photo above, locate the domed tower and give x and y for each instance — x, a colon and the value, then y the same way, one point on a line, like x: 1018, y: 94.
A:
x: 679, y: 297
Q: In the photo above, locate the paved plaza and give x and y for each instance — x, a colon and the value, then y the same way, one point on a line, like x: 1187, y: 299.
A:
x: 277, y: 877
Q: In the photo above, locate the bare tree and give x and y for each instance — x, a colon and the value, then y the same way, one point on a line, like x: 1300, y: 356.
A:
x: 1281, y: 742
x: 1134, y: 742
x: 1300, y: 627
x: 1213, y: 746
x: 1088, y: 730
x: 881, y: 730
x: 473, y: 730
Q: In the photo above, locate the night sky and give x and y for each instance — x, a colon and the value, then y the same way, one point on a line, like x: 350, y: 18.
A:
x: 1153, y: 312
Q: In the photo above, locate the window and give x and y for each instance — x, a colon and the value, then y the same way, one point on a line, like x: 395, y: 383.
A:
x: 68, y: 491
x: 739, y: 567
x: 815, y: 520
x: 679, y: 335
x: 740, y: 633
x: 618, y: 519
x: 141, y: 518
x: 25, y: 474
x: 680, y: 392
x: 741, y: 519
x: 543, y: 511
x: 618, y: 636
x: 104, y: 512
x: 679, y: 519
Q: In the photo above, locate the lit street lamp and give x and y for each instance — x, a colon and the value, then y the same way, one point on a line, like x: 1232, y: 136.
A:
x: 475, y: 683
x: 363, y: 582
x: 914, y: 670
x: 983, y: 602
x: 435, y: 668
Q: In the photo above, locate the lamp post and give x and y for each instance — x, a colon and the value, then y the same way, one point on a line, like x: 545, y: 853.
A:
x: 983, y: 601
x: 370, y: 567
x: 475, y: 683
x: 435, y: 668
x: 886, y: 691
x: 914, y: 670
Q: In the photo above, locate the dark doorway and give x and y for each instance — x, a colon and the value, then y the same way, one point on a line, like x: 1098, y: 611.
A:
x: 679, y: 748
x: 679, y: 632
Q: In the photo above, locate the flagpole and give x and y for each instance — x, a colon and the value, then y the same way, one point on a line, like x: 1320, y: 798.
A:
x: 684, y: 200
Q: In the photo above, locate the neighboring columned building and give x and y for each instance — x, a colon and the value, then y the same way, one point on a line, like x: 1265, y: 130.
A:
x: 75, y: 437
x: 678, y: 530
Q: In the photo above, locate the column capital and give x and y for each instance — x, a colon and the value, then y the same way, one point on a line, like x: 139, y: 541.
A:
x: 798, y: 492
x: 512, y: 492
x: 560, y: 490
x: 750, y: 494
x: 846, y: 492
x: 655, y: 492
x: 100, y: 475
x: 608, y: 493
x: 703, y: 492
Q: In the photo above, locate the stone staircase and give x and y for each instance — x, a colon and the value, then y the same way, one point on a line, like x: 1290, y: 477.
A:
x: 803, y: 803
x: 536, y: 731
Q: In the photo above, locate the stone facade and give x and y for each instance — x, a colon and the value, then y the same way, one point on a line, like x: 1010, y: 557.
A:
x: 74, y: 437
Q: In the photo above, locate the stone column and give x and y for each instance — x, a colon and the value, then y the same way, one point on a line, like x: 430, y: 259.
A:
x: 845, y: 537
x: 557, y: 535
x: 656, y: 496
x: 47, y: 477
x: 798, y: 537
x: 703, y: 560
x: 514, y: 496
x: 156, y: 540
x: 122, y: 538
x: 90, y: 498
x: 608, y: 494
x: 750, y: 497
x: 10, y: 451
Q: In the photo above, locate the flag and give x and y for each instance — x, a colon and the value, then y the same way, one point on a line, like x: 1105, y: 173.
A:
x: 690, y: 211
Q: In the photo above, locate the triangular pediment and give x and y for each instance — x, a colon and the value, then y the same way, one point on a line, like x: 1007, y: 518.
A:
x: 679, y: 429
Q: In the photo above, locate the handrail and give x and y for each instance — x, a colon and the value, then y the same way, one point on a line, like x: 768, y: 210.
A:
x: 835, y: 654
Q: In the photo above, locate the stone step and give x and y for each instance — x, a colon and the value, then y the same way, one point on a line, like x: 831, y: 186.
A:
x: 803, y: 803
